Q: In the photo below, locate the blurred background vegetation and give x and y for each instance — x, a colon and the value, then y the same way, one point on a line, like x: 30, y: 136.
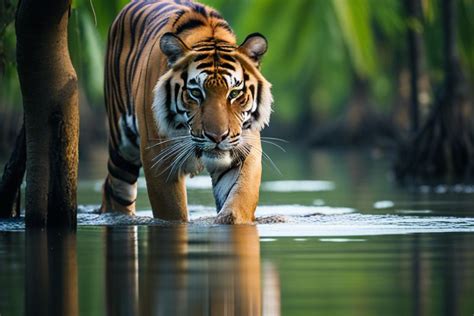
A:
x: 334, y: 64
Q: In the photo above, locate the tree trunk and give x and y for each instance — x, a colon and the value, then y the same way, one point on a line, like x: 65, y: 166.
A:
x: 443, y: 150
x: 413, y: 11
x: 50, y: 99
x: 12, y: 178
x: 360, y: 125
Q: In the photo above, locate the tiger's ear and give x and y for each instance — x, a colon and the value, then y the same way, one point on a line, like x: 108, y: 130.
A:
x: 173, y: 47
x: 254, y: 46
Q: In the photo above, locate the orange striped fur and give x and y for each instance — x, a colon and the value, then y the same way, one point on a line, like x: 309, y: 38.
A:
x: 182, y: 96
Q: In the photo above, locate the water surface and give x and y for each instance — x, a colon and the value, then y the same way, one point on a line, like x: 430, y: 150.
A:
x: 334, y: 237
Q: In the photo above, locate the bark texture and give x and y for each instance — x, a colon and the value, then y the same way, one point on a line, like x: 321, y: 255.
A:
x: 12, y: 178
x: 50, y: 99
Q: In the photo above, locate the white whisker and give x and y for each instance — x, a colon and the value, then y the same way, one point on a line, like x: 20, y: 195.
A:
x: 167, y: 153
x: 265, y: 142
x: 167, y: 141
x: 184, y: 150
x: 265, y: 155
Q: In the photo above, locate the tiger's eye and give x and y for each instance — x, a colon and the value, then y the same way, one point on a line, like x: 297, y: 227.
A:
x: 234, y: 94
x: 196, y: 93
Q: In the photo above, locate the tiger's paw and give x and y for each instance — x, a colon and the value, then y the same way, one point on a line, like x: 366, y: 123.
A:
x: 231, y: 218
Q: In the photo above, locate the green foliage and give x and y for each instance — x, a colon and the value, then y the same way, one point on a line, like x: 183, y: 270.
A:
x: 316, y: 48
x: 88, y: 28
x: 8, y: 75
x: 87, y: 53
x: 354, y: 18
x: 466, y: 27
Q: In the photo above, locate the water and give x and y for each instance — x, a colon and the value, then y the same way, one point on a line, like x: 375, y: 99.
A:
x: 337, y: 237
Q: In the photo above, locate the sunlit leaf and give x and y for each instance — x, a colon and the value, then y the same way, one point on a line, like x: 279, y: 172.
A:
x: 355, y: 21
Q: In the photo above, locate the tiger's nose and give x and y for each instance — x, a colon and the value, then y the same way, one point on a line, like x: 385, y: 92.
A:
x: 216, y: 138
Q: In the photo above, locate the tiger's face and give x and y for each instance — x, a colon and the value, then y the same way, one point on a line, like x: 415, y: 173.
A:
x: 213, y: 93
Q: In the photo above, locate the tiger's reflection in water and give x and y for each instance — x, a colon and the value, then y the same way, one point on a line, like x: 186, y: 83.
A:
x: 178, y: 270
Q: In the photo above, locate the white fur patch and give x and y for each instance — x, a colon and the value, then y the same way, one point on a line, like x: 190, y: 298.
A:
x: 128, y: 150
x: 215, y: 163
x: 159, y: 107
x: 265, y: 106
x: 223, y: 188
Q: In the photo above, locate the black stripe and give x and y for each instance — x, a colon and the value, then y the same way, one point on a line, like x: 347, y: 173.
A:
x: 117, y: 199
x: 200, y: 9
x: 227, y: 57
x: 176, y: 92
x: 184, y: 77
x: 179, y: 14
x: 259, y: 93
x: 152, y: 30
x: 182, y: 112
x: 159, y: 7
x: 190, y: 118
x: 135, y: 19
x: 204, y: 48
x: 122, y: 163
x: 191, y: 24
x: 137, y: 54
x: 120, y: 174
x: 201, y: 57
x: 227, y: 66
x: 225, y: 72
x: 132, y: 8
x: 205, y: 65
x: 170, y: 115
x: 256, y: 114
x: 116, y: 56
x: 216, y: 15
x: 225, y: 26
x: 209, y: 41
x: 252, y: 91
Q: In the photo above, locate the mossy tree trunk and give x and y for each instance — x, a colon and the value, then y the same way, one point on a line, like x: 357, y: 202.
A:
x: 443, y: 150
x: 49, y: 87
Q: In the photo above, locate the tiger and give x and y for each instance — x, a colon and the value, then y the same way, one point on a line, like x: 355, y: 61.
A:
x: 181, y: 96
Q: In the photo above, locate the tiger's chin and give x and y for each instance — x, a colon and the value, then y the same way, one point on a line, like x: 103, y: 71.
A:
x: 216, y: 159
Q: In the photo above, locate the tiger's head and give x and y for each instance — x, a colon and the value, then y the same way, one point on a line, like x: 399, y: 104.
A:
x: 213, y: 92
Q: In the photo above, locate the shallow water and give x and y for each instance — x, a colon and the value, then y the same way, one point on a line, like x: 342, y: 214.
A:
x: 344, y: 241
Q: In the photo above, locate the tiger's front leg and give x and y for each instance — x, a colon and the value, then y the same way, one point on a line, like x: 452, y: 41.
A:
x: 166, y: 192
x: 236, y: 189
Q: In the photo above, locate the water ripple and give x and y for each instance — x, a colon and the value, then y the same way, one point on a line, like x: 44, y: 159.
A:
x: 288, y: 221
